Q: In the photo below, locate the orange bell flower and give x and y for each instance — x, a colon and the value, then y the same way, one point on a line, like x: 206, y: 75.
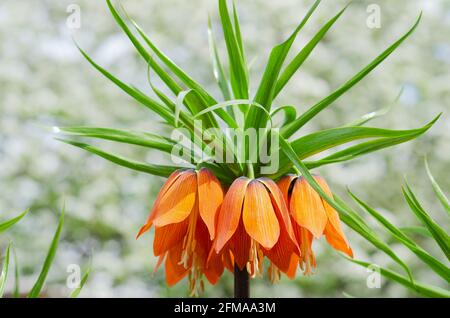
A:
x: 311, y: 217
x: 184, y: 215
x: 254, y: 222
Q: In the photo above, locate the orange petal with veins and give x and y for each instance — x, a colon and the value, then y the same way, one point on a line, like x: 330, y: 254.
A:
x: 240, y: 246
x: 307, y: 208
x: 281, y: 209
x: 210, y: 198
x: 285, y: 184
x: 333, y: 230
x: 230, y: 212
x: 148, y: 224
x: 168, y: 236
x: 174, y: 271
x: 259, y: 217
x: 178, y: 201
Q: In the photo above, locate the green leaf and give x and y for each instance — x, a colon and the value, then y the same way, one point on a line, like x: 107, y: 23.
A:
x: 219, y: 73
x: 419, y: 230
x: 440, y: 235
x: 290, y: 129
x: 441, y: 269
x: 7, y: 224
x: 368, y: 147
x: 238, y: 69
x: 237, y: 30
x: 4, y: 273
x: 16, y: 290
x: 301, y: 57
x: 317, y: 142
x: 173, y: 86
x: 157, y: 170
x: 290, y: 113
x: 422, y: 289
x: 266, y: 89
x: 133, y: 92
x: 36, y: 290
x: 437, y: 190
x: 187, y: 80
x: 357, y: 224
x: 83, y: 281
x: 376, y: 114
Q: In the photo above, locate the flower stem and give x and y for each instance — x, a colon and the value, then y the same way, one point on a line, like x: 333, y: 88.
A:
x: 241, y: 283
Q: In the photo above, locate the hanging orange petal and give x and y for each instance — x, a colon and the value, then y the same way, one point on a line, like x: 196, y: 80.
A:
x: 307, y: 208
x: 210, y: 196
x: 293, y: 264
x: 148, y: 224
x: 240, y: 246
x: 333, y: 231
x: 336, y: 240
x: 168, y: 236
x: 307, y: 259
x: 230, y: 212
x: 178, y: 201
x: 174, y: 271
x: 281, y: 209
x: 259, y: 217
x: 284, y: 184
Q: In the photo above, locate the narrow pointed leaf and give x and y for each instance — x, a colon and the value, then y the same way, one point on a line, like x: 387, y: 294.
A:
x: 416, y: 230
x: 219, y: 73
x: 434, y: 264
x: 266, y: 89
x: 133, y: 92
x: 157, y: 170
x: 439, y: 234
x: 422, y: 289
x: 7, y: 224
x: 169, y: 81
x: 437, y: 190
x: 4, y: 272
x: 290, y: 129
x: 238, y: 69
x: 301, y: 57
x: 124, y: 136
x: 83, y: 281
x: 317, y: 142
x: 39, y: 284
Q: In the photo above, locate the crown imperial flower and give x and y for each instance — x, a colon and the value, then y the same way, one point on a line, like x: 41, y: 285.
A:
x: 184, y: 216
x: 253, y: 222
x: 312, y: 217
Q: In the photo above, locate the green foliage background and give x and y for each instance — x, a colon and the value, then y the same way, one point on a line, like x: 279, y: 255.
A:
x: 44, y: 82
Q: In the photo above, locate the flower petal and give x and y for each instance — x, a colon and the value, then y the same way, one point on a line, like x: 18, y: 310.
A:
x: 170, y: 181
x: 210, y: 198
x: 337, y: 240
x: 307, y: 259
x: 285, y: 184
x: 240, y: 246
x: 259, y: 217
x: 281, y: 209
x: 333, y: 231
x: 168, y: 236
x: 307, y: 208
x: 174, y: 271
x: 178, y: 201
x: 293, y: 264
x: 230, y: 212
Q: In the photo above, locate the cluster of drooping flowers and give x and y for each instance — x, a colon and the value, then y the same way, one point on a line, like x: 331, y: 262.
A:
x: 201, y: 229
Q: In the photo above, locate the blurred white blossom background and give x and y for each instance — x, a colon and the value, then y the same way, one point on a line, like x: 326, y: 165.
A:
x: 45, y: 82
